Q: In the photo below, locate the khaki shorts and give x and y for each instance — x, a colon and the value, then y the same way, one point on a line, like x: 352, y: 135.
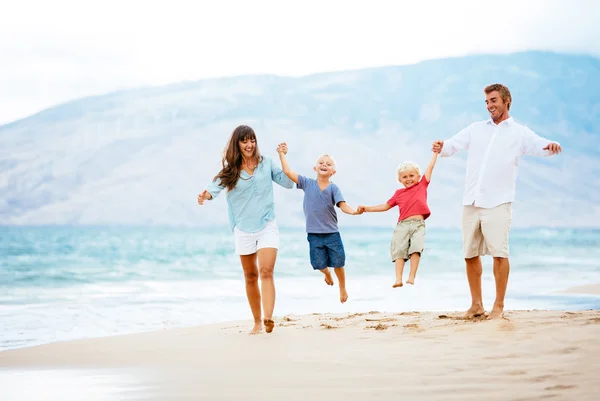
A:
x: 485, y: 231
x: 408, y: 238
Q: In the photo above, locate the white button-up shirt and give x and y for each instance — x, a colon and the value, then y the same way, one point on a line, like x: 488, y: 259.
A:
x: 493, y: 159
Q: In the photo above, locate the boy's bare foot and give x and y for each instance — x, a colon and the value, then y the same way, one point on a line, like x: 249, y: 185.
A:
x: 269, y: 325
x: 257, y: 328
x: 343, y: 295
x: 397, y: 284
x: 496, y: 313
x: 474, y: 311
x: 328, y: 278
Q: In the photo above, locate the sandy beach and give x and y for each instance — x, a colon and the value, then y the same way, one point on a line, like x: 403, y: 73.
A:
x: 528, y: 355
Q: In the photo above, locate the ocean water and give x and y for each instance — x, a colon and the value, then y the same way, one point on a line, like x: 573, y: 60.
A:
x: 62, y: 283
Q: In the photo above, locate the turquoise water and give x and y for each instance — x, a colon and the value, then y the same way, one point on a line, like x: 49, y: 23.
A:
x: 61, y: 283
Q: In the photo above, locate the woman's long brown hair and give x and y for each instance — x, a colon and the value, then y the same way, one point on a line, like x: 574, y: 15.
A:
x: 232, y: 156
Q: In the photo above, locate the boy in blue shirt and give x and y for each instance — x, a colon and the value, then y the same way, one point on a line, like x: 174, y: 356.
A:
x: 320, y: 198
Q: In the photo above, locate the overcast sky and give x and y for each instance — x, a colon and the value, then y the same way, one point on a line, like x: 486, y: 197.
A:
x: 54, y: 51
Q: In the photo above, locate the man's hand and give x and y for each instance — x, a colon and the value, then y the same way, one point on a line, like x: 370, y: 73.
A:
x: 202, y: 197
x: 360, y: 209
x: 437, y: 146
x: 282, y: 148
x: 554, y: 148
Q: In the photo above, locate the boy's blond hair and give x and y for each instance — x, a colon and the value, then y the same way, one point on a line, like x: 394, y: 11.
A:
x: 404, y: 166
x: 326, y: 155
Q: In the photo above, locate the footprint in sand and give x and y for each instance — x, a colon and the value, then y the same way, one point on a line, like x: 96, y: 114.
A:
x: 378, y: 327
x: 560, y: 387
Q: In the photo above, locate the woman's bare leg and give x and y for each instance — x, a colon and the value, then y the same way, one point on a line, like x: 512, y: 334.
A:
x: 252, y: 289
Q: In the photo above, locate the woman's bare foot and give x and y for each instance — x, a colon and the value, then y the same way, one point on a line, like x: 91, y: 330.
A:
x: 343, y: 295
x: 269, y: 325
x: 411, y: 281
x: 397, y: 284
x: 474, y: 311
x: 328, y: 278
x: 496, y: 313
x: 257, y: 328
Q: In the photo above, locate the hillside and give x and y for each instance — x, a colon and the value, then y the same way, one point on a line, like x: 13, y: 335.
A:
x: 140, y: 157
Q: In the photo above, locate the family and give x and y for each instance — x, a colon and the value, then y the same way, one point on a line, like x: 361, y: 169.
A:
x: 494, y: 148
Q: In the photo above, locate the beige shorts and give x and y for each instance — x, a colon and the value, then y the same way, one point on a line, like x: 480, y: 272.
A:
x: 485, y: 231
x: 408, y: 238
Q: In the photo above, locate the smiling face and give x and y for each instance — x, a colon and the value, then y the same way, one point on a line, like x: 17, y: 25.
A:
x: 496, y: 106
x: 325, y: 166
x: 409, y: 177
x: 247, y: 147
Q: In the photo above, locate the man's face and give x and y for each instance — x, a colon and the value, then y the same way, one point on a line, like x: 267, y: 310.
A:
x: 495, y: 105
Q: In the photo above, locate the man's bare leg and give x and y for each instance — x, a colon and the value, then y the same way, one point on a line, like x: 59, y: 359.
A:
x: 327, y: 273
x: 399, y: 263
x: 266, y: 265
x: 252, y: 289
x: 415, y: 258
x: 501, y: 271
x: 474, y: 271
x: 341, y: 276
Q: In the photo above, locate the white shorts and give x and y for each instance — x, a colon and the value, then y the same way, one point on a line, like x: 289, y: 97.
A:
x: 249, y: 243
x: 485, y: 231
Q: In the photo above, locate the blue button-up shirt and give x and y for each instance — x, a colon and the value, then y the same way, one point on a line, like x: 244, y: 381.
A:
x: 250, y: 203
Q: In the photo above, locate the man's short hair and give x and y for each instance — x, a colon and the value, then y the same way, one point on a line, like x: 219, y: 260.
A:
x: 504, y: 93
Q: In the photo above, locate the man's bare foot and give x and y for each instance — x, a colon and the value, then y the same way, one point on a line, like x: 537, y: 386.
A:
x: 343, y: 295
x: 328, y: 278
x: 397, y: 284
x: 474, y: 311
x: 257, y: 328
x: 496, y: 313
x: 269, y: 325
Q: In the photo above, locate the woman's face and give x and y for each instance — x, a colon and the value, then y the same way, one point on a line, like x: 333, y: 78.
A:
x: 247, y: 147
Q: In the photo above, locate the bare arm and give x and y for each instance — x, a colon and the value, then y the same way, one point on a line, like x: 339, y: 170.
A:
x: 429, y: 169
x: 282, y: 150
x: 346, y: 208
x: 384, y: 207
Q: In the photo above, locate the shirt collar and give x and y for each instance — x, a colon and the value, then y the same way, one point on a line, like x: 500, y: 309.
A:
x: 508, y: 121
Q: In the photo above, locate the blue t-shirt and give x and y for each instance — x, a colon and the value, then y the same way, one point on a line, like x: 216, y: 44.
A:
x: 319, y: 206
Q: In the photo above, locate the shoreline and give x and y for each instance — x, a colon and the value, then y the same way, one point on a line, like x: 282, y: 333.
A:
x: 588, y: 289
x: 352, y: 356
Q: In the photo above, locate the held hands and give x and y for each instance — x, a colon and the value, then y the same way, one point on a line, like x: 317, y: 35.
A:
x: 437, y: 146
x: 360, y: 210
x: 282, y: 148
x: 554, y: 148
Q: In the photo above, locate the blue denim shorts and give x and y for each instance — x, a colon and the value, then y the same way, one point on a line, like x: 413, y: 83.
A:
x: 326, y: 250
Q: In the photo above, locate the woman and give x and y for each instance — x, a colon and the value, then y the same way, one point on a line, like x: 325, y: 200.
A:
x: 248, y: 178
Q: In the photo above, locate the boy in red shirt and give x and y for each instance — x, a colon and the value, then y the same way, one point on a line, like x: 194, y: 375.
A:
x: 408, y: 239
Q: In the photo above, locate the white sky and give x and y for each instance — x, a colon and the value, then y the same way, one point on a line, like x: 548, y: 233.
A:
x: 52, y: 51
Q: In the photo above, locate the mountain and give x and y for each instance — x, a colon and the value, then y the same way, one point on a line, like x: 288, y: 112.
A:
x: 140, y: 157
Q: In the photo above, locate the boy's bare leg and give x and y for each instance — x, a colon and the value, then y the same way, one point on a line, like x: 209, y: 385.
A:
x: 501, y: 271
x: 474, y: 270
x: 415, y: 258
x: 327, y: 273
x: 341, y: 276
x: 252, y: 289
x: 399, y: 270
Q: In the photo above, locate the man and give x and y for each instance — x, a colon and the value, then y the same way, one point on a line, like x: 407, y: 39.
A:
x: 494, y: 149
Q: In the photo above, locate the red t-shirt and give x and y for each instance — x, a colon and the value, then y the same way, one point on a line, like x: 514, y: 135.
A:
x: 412, y: 201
